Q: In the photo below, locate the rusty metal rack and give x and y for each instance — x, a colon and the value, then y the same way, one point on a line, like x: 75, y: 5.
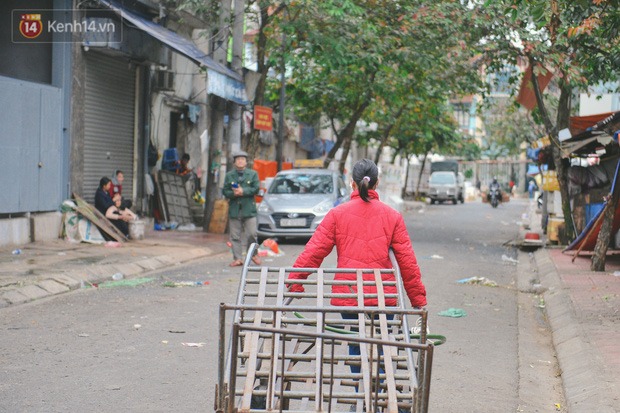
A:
x: 315, y: 357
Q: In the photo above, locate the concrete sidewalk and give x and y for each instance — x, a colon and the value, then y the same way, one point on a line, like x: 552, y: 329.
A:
x: 583, y: 310
x: 53, y: 267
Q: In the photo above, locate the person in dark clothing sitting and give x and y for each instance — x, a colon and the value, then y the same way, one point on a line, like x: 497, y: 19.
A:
x: 116, y: 189
x: 105, y: 205
x: 188, y: 173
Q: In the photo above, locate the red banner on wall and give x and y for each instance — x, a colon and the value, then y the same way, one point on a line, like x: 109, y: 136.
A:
x: 263, y: 118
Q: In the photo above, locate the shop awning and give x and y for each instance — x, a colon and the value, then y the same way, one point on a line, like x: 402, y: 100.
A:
x: 579, y: 124
x: 223, y: 82
x: 588, y: 143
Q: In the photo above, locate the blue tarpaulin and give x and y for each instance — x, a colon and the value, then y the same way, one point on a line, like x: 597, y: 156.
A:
x: 230, y: 86
x: 533, y: 153
x: 533, y: 169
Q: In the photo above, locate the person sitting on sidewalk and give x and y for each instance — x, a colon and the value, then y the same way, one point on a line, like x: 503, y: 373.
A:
x: 117, y: 188
x: 122, y: 210
x: 105, y: 204
x: 188, y: 174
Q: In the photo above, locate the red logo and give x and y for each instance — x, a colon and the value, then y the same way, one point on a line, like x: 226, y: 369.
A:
x: 30, y: 25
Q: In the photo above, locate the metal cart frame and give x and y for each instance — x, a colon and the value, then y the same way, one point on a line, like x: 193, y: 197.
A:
x: 294, y: 358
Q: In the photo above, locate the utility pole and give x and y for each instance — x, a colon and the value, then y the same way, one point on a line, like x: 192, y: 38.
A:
x: 218, y: 108
x: 234, y: 122
x: 280, y: 148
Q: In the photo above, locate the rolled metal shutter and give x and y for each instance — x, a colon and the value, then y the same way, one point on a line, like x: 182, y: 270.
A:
x: 108, y: 122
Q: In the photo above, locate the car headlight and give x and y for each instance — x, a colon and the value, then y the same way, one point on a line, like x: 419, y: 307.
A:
x: 264, y: 207
x: 323, y: 207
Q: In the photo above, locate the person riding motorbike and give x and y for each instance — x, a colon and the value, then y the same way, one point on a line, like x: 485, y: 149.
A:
x: 494, y: 191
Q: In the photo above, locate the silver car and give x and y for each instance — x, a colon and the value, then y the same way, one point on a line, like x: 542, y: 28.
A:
x: 297, y: 201
x: 445, y: 186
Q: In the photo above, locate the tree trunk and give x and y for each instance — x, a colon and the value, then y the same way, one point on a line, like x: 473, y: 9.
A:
x: 604, y: 235
x: 562, y: 122
x: 345, y: 136
x: 417, y: 189
x: 394, y: 155
x: 259, y: 95
x: 404, y: 191
x: 384, y: 138
x: 386, y: 133
x: 218, y: 106
x: 235, y: 110
x: 345, y: 154
x: 332, y: 152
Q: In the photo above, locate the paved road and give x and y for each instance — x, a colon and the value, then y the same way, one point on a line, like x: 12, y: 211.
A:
x: 120, y: 349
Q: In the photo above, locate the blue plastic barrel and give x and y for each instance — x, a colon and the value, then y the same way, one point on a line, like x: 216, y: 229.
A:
x: 592, y: 210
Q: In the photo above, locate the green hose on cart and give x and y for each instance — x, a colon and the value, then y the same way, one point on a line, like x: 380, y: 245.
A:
x: 436, y: 339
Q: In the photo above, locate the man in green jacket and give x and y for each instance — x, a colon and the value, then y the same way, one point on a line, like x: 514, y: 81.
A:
x: 240, y: 187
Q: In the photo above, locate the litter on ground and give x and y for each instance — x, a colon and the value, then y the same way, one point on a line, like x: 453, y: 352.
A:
x: 186, y: 283
x: 194, y: 344
x: 269, y: 248
x: 432, y: 257
x: 126, y: 283
x: 452, y: 312
x: 478, y: 280
x: 506, y: 258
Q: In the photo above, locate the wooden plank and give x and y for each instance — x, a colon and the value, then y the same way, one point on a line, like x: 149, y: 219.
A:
x: 253, y: 344
x: 365, y: 365
x: 342, y: 367
x: 304, y: 401
x: 160, y: 198
x: 387, y: 352
x: 61, y: 231
x: 320, y: 325
x: 288, y: 366
x: 273, y: 379
x: 97, y: 218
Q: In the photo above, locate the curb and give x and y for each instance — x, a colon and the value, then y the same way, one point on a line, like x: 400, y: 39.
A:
x: 60, y: 283
x: 584, y: 389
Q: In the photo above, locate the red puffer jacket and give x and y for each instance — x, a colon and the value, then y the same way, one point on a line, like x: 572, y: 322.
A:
x: 363, y: 233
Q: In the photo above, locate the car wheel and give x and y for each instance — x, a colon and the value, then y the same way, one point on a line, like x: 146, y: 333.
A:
x: 432, y: 201
x: 455, y: 201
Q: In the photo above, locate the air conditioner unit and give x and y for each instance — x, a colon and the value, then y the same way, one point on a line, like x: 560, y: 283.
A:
x: 164, y: 80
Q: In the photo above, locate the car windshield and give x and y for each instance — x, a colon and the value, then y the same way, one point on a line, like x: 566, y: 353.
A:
x: 302, y: 184
x: 444, y: 178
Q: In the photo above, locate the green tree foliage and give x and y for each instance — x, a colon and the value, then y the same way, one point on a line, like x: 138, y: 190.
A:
x: 507, y: 126
x: 576, y: 39
x: 378, y: 61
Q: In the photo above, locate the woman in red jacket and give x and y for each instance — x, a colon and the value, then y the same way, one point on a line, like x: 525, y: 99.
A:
x: 363, y: 230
